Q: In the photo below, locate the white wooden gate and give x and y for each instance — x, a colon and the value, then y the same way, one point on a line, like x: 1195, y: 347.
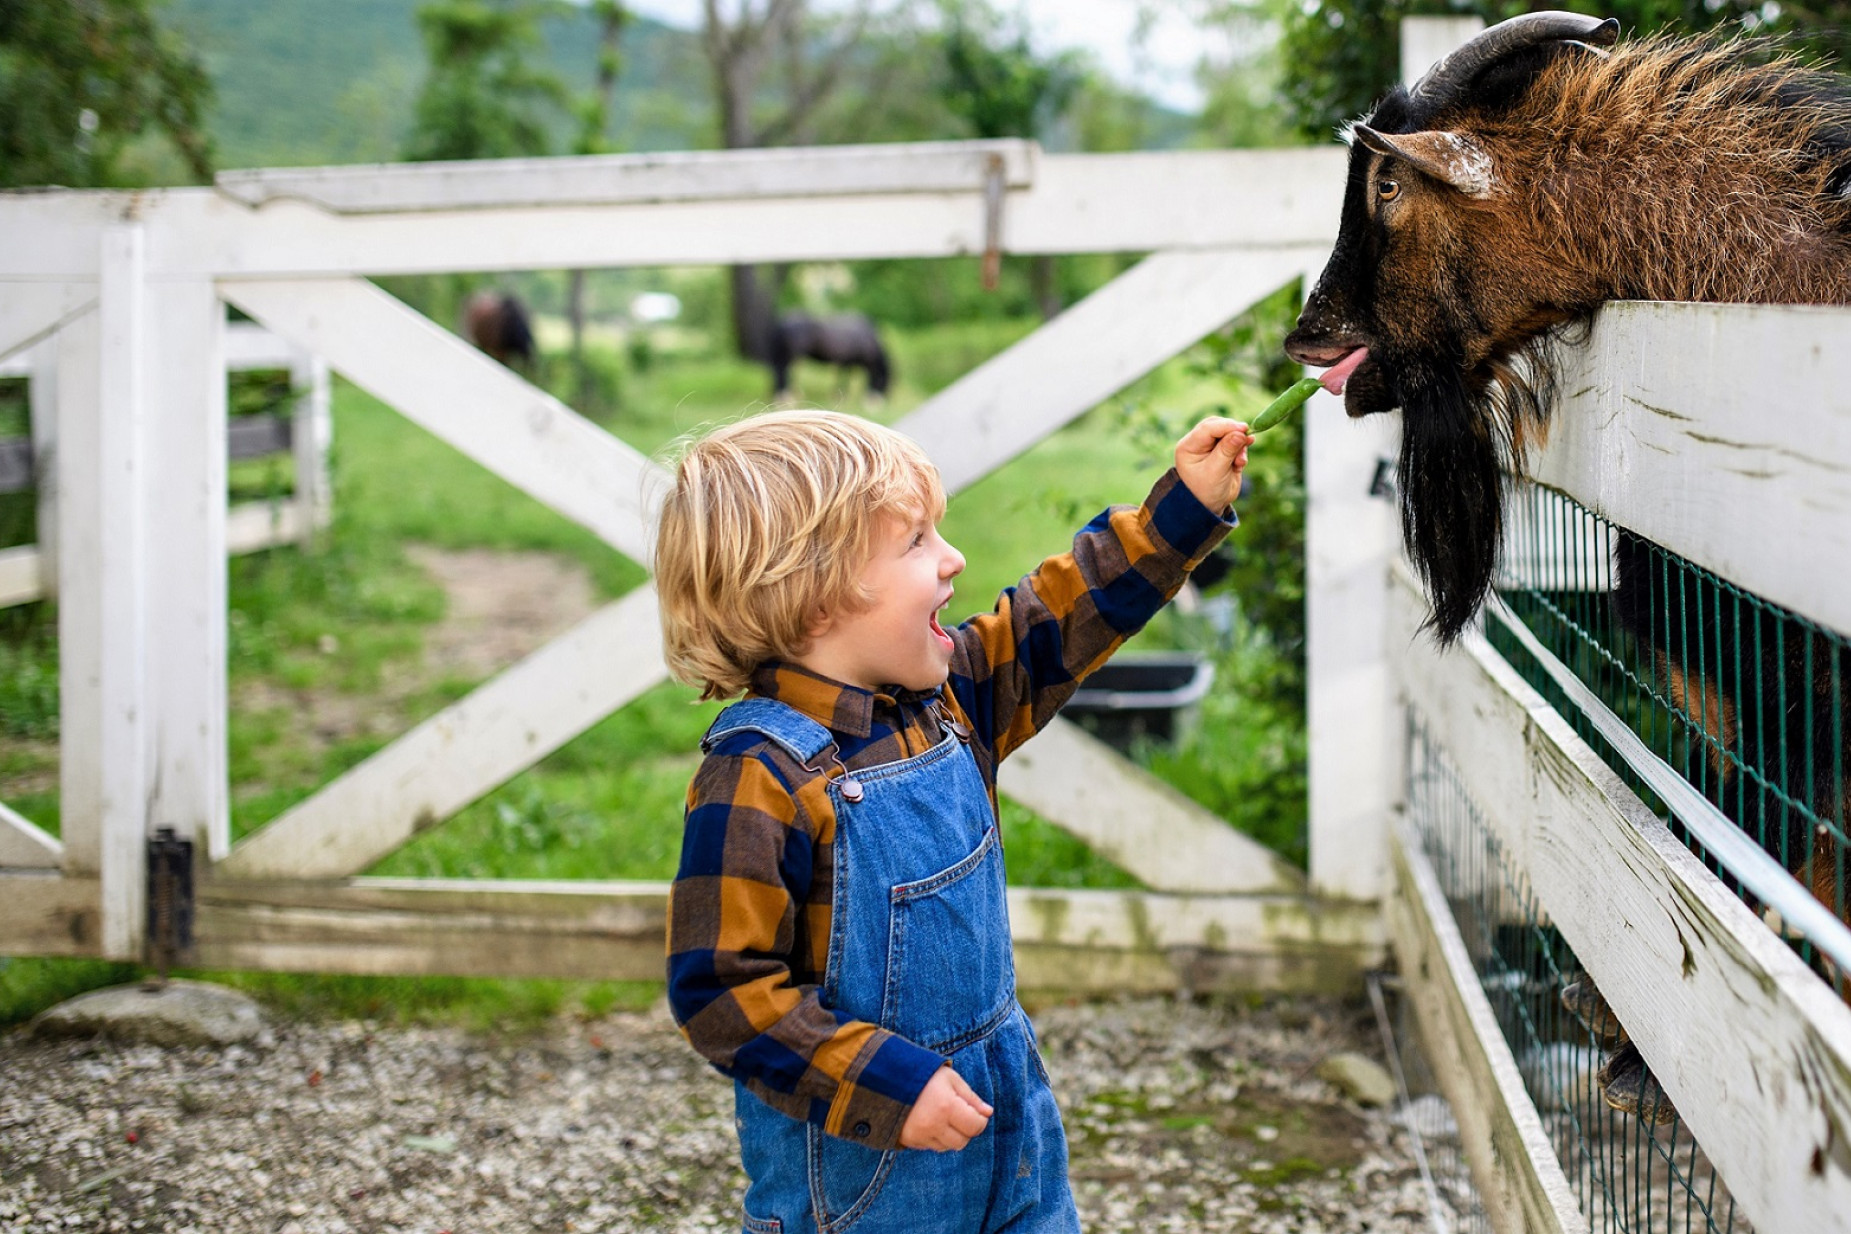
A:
x: 132, y: 285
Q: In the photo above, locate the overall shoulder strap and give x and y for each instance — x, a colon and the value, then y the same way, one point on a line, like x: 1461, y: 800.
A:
x: 799, y: 736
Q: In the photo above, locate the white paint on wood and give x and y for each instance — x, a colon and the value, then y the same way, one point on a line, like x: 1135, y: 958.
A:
x: 1350, y: 537
x: 1425, y: 41
x: 465, y: 750
x: 1153, y: 832
x: 519, y: 432
x: 19, y: 575
x: 1065, y: 939
x: 505, y: 928
x: 103, y: 588
x: 1722, y: 432
x: 82, y: 606
x: 184, y: 525
x: 697, y: 175
x: 25, y: 845
x: 249, y: 346
x: 42, y: 397
x: 1753, y: 1048
x: 1514, y: 1166
x: 1078, y: 203
x: 1097, y: 347
x: 29, y: 311
x: 44, y: 913
x: 254, y: 525
x: 1205, y: 199
x: 249, y: 528
x: 312, y: 435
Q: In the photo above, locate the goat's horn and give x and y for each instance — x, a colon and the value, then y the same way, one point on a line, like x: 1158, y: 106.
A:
x: 1457, y: 71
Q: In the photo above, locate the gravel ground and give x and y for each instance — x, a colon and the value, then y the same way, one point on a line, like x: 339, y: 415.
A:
x: 1182, y: 1116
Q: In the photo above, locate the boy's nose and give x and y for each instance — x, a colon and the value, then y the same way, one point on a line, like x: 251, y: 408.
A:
x: 953, y: 563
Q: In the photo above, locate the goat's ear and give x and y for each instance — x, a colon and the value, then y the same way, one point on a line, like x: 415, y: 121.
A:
x: 1449, y: 157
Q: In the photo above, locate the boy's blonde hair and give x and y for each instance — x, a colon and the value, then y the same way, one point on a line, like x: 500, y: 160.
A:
x: 772, y: 519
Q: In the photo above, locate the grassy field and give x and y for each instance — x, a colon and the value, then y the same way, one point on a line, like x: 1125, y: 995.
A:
x: 336, y: 631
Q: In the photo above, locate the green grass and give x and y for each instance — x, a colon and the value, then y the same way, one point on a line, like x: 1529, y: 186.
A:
x: 344, y: 621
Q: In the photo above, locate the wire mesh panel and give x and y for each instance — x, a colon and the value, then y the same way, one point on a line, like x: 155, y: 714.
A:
x: 1453, y: 1203
x: 1629, y: 1173
x: 1746, y: 701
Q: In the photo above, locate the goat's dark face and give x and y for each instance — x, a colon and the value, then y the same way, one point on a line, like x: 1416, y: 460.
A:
x: 1429, y: 274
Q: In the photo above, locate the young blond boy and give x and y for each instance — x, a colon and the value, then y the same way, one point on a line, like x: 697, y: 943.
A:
x: 838, y: 935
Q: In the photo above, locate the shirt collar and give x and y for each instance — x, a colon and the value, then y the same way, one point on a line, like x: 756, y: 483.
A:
x: 836, y: 705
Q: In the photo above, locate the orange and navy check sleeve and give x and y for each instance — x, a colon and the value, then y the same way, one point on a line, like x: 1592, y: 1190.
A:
x: 750, y: 850
x: 1014, y: 667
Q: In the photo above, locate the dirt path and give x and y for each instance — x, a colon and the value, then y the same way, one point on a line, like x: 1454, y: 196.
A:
x: 501, y: 606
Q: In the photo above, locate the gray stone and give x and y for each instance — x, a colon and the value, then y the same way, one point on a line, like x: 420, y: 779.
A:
x: 180, y: 1013
x: 1358, y: 1077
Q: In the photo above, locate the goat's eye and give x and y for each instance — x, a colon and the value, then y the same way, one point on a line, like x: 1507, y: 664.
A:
x: 1388, y: 190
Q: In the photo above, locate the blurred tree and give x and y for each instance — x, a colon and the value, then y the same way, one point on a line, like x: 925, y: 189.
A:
x: 1339, y: 56
x: 994, y: 79
x: 481, y: 97
x: 997, y: 83
x: 747, y: 43
x: 594, y: 115
x: 80, y: 82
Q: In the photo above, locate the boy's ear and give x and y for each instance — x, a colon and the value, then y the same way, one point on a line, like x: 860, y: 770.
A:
x: 818, y: 625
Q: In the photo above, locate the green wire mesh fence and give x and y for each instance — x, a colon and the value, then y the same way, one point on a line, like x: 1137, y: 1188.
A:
x: 1744, y: 700
x: 1726, y: 715
x: 1630, y: 1175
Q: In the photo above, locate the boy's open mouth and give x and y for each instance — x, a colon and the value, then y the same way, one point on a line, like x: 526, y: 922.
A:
x: 938, y: 631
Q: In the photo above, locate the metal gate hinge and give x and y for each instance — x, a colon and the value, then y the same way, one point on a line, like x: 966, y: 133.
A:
x: 170, y: 902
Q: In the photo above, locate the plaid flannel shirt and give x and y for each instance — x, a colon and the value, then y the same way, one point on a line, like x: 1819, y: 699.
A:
x: 749, y: 913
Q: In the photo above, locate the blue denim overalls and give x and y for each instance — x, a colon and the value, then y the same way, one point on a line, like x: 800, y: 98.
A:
x: 919, y: 944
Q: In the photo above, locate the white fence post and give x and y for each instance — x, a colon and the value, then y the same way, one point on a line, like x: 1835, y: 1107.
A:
x: 312, y: 432
x: 102, y: 684
x: 43, y: 395
x: 184, y: 521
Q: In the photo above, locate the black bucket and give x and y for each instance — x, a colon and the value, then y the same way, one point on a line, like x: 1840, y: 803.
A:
x: 1142, y: 694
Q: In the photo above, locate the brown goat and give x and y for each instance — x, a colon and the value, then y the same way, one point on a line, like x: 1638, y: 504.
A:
x: 1526, y: 180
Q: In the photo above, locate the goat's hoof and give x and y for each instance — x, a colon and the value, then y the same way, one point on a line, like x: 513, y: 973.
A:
x: 1629, y: 1086
x: 1584, y: 1001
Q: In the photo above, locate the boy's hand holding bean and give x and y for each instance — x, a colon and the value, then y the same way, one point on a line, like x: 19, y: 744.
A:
x: 947, y: 1116
x: 1210, y: 459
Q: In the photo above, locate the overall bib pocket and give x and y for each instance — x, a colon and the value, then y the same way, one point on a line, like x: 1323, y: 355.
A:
x: 950, y: 971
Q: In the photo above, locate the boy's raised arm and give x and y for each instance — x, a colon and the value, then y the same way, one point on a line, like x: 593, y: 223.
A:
x: 1014, y: 667
x: 746, y: 864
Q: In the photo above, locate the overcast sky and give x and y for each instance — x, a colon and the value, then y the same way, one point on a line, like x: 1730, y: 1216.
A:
x: 1161, y: 63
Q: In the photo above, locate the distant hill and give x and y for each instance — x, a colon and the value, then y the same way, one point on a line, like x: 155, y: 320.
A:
x: 303, y: 82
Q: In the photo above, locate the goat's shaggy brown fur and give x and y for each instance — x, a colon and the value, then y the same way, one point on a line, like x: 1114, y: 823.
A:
x: 1671, y: 170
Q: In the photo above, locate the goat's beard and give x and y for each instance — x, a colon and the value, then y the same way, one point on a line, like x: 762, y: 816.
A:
x: 1451, y: 479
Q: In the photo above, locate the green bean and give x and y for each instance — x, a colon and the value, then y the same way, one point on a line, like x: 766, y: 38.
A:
x: 1284, y: 405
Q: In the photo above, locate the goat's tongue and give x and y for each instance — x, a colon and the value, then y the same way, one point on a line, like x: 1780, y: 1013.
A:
x: 1338, y: 375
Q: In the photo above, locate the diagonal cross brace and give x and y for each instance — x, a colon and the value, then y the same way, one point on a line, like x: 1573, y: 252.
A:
x: 439, y: 382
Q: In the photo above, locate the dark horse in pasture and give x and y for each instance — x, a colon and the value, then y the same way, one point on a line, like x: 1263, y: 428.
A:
x: 496, y: 322
x: 847, y: 341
